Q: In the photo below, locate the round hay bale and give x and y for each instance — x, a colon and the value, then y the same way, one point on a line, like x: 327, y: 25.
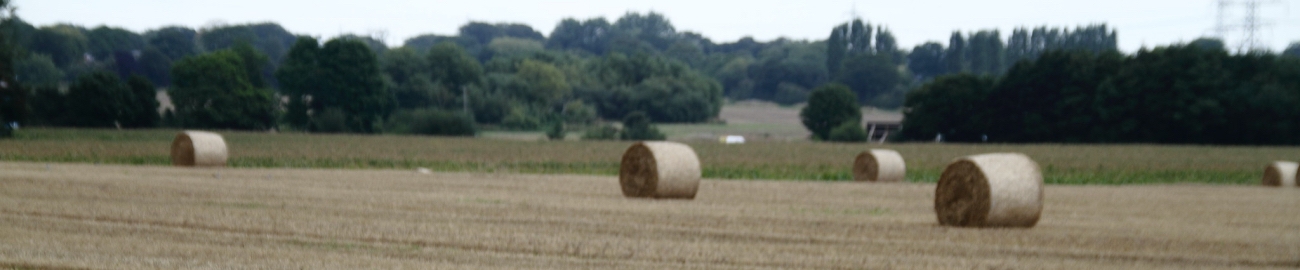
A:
x: 879, y: 165
x: 1280, y: 174
x: 666, y: 170
x: 199, y: 148
x: 990, y: 190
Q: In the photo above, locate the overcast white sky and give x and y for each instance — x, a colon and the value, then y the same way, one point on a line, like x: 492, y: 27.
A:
x: 1139, y: 22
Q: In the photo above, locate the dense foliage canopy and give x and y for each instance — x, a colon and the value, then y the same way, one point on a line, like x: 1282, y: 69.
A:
x: 1176, y: 94
x: 1036, y: 85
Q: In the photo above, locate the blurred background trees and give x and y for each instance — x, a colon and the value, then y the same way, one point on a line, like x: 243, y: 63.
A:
x: 1037, y: 84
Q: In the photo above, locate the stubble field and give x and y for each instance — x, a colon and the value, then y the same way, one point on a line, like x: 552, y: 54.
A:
x: 799, y: 160
x: 85, y: 216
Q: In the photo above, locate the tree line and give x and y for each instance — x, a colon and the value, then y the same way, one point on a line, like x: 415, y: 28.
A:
x: 1194, y: 93
x: 582, y: 76
x: 259, y: 77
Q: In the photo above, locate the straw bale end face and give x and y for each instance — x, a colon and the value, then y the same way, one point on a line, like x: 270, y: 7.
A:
x: 1281, y: 174
x: 990, y: 190
x: 879, y: 165
x: 665, y: 170
x: 199, y: 148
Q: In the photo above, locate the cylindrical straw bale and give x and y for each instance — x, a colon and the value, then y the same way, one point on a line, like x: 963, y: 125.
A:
x: 879, y: 165
x: 199, y: 148
x: 1281, y: 174
x: 666, y: 170
x: 990, y: 190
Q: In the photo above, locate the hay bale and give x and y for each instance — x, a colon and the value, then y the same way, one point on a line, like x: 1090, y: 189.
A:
x: 659, y: 170
x: 879, y: 165
x: 990, y: 190
x: 199, y: 148
x: 1280, y: 174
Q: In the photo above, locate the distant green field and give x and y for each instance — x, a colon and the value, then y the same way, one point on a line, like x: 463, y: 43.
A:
x: 793, y: 160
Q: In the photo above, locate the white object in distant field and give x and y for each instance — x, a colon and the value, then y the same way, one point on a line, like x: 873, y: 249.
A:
x: 733, y: 139
x: 424, y: 170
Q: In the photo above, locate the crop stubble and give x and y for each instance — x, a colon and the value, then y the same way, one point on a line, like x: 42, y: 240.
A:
x: 123, y: 217
x: 1061, y: 164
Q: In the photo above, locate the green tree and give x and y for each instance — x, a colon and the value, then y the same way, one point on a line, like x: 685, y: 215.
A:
x: 476, y: 35
x: 555, y: 130
x: 255, y: 64
x: 453, y: 68
x: 1051, y: 98
x: 270, y: 39
x: 791, y: 63
x: 686, y: 51
x: 489, y: 108
x: 955, y: 58
x: 578, y: 113
x: 1186, y: 94
x: 887, y: 45
x: 690, y: 98
x: 926, y: 60
x: 47, y: 107
x: 65, y: 44
x: 13, y: 97
x: 213, y: 91
x: 847, y: 40
x: 407, y: 74
x: 175, y: 42
x: 142, y: 109
x: 601, y: 133
x: 431, y: 122
x: 103, y: 41
x: 377, y: 46
x: 734, y: 76
x: 953, y: 106
x: 423, y: 43
x: 652, y: 28
x: 859, y: 37
x: 637, y: 127
x: 352, y: 82
x: 828, y: 107
x: 546, y: 84
x: 330, y: 120
x: 98, y: 100
x: 1173, y: 94
x: 872, y: 77
x: 836, y: 49
x: 299, y: 76
x: 1019, y: 46
x: 480, y: 31
x: 667, y: 91
x: 790, y: 94
x: 985, y: 51
x: 509, y: 47
x: 38, y: 70
x: 848, y: 132
x: 590, y: 36
x: 521, y: 118
x: 155, y: 66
